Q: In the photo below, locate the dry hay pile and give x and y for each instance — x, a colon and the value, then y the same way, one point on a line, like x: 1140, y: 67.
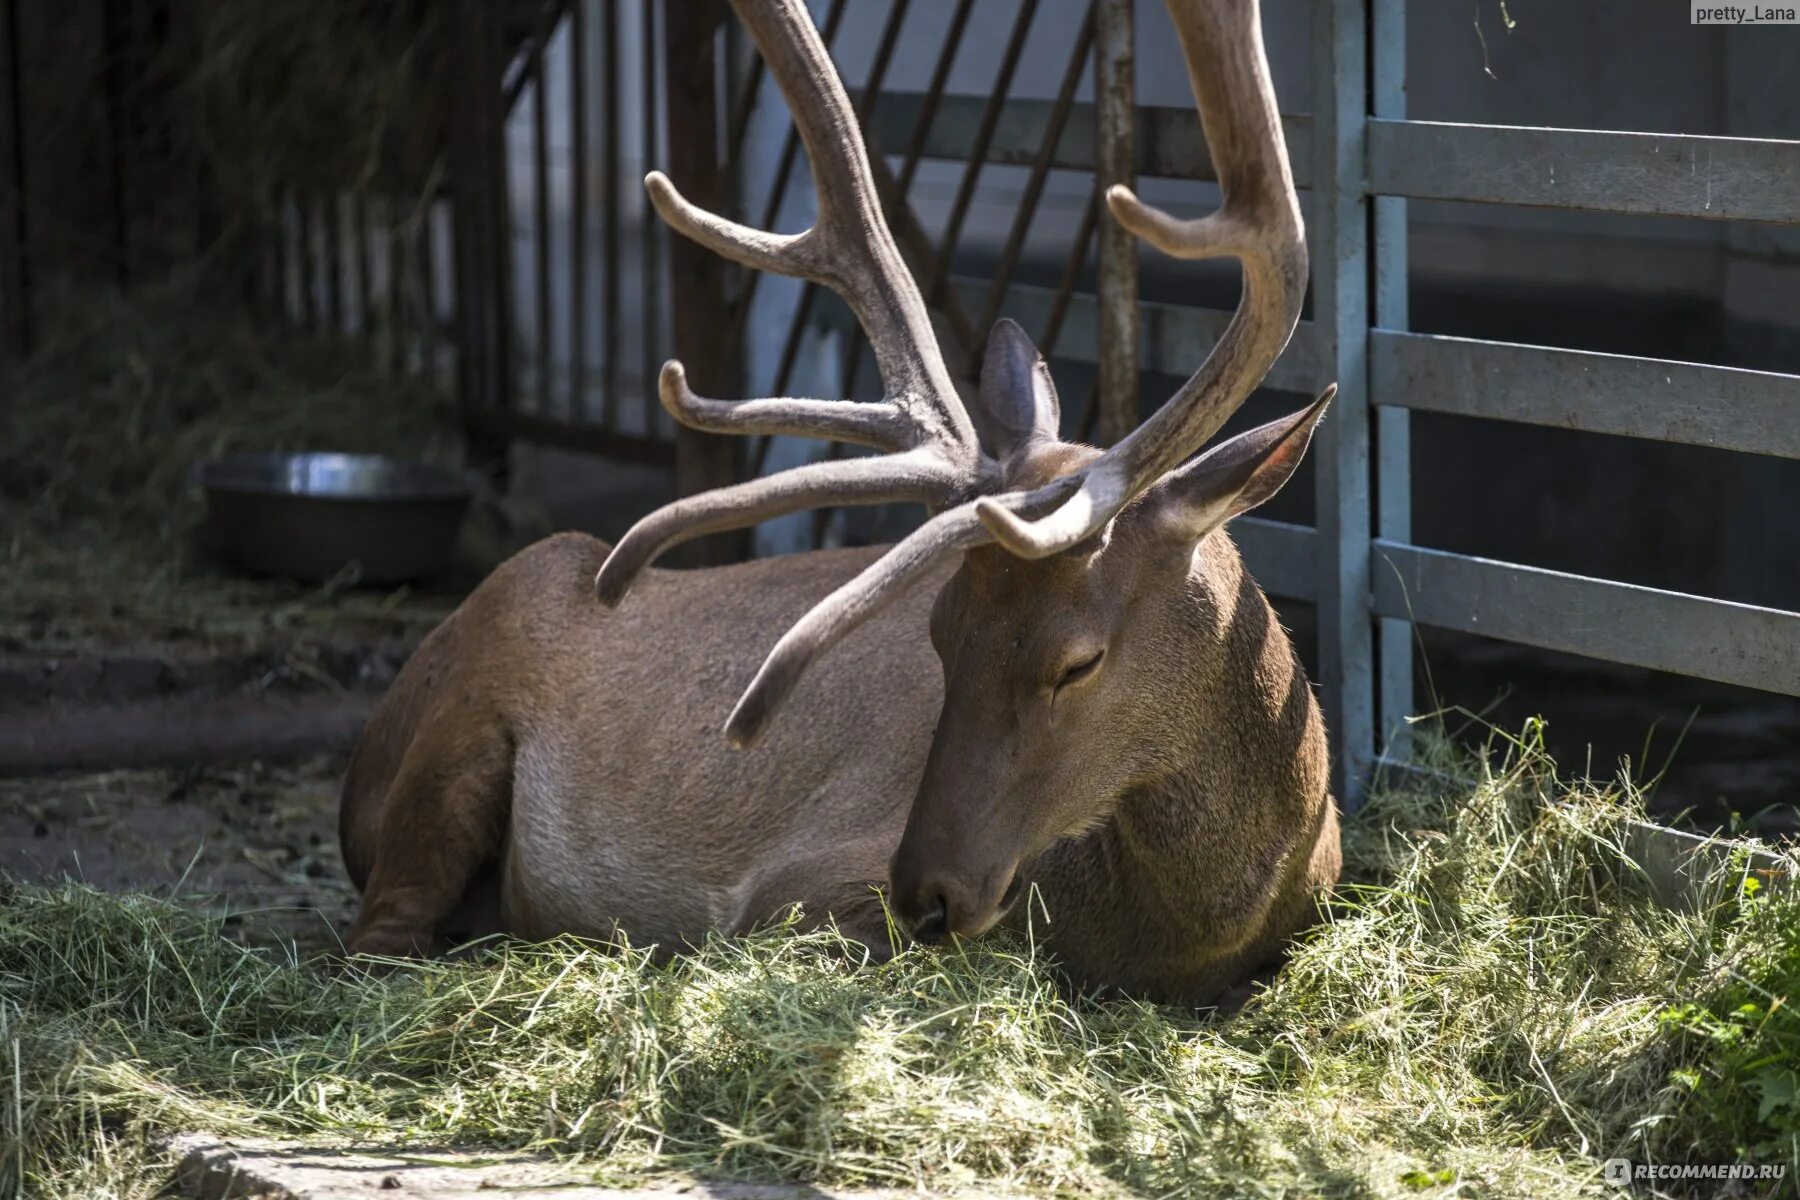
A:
x: 1495, y: 1005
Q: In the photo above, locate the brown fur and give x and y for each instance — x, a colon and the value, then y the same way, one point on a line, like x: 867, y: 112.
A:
x: 576, y: 753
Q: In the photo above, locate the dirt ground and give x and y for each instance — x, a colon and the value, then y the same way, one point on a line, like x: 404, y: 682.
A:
x: 254, y: 839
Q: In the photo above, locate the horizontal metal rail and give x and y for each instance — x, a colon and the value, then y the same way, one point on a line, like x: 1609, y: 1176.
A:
x: 1713, y: 178
x: 1689, y: 403
x: 1720, y: 640
x: 1176, y: 337
x: 1665, y: 174
x: 1282, y: 557
x: 1621, y: 622
x: 1168, y: 141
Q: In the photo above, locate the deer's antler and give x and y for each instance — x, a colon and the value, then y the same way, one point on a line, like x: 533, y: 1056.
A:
x: 1258, y: 223
x: 932, y: 454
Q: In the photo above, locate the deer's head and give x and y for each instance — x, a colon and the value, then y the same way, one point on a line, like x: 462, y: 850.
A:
x: 1054, y: 633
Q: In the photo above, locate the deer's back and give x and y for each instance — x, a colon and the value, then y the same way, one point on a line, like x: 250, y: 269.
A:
x: 627, y: 803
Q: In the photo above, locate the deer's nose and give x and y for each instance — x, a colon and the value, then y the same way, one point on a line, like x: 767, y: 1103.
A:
x: 933, y: 925
x: 925, y: 897
x: 932, y: 905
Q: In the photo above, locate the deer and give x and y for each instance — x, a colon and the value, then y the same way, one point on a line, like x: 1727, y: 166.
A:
x: 1064, y: 683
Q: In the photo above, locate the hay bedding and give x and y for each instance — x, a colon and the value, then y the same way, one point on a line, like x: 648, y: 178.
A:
x: 1494, y: 1006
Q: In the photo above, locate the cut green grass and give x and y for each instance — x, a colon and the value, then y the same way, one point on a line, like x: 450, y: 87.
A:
x: 1494, y: 1006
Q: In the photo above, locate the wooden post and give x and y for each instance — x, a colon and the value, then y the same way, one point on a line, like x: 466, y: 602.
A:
x: 1340, y: 287
x: 1115, y: 113
x: 701, y: 313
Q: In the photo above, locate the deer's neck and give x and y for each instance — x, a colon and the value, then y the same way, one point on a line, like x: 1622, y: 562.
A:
x: 1203, y: 866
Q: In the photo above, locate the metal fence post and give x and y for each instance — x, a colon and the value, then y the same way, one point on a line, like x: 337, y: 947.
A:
x: 1340, y: 281
x: 702, y: 315
x: 483, y: 287
x: 1393, y: 438
x: 1115, y: 112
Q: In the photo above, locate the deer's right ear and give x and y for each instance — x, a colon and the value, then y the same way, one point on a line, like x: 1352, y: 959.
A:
x: 1018, y: 404
x: 1234, y: 476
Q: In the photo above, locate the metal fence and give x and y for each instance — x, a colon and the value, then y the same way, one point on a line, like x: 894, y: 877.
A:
x: 1371, y: 583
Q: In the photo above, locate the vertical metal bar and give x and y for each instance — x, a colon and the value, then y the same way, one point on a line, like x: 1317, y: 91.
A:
x: 1115, y: 111
x: 1071, y: 276
x: 483, y: 285
x: 284, y: 265
x: 1040, y: 170
x: 649, y: 237
x: 15, y: 269
x: 425, y: 255
x: 984, y: 136
x: 784, y: 169
x: 609, y: 231
x: 578, y: 168
x: 697, y: 276
x: 1340, y: 280
x: 865, y: 104
x: 359, y: 245
x: 540, y: 177
x: 118, y: 43
x: 934, y: 95
x: 745, y: 104
x: 334, y: 260
x: 467, y: 190
x: 309, y: 299
x: 1393, y: 477
x: 393, y: 314
x: 915, y: 153
x: 265, y: 286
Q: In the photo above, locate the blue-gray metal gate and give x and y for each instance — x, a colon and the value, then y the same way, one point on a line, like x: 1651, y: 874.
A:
x: 1371, y: 582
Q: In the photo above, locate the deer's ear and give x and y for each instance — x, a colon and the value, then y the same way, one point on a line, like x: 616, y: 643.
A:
x: 1234, y: 476
x: 1018, y: 404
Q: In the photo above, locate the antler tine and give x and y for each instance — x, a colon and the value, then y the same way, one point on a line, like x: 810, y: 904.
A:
x: 1258, y: 223
x: 880, y: 424
x: 850, y: 605
x: 933, y: 453
x: 912, y: 475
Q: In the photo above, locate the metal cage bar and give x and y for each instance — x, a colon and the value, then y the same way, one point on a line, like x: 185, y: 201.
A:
x: 578, y: 214
x: 1340, y: 274
x: 1393, y: 433
x: 1117, y: 394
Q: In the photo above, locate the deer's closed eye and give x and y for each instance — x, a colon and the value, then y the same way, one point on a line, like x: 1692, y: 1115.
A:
x: 1081, y: 669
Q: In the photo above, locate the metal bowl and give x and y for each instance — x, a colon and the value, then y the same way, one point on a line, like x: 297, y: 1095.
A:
x: 308, y: 516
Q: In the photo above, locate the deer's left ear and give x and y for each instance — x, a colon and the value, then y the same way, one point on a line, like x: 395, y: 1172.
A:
x: 1234, y: 476
x: 1017, y: 407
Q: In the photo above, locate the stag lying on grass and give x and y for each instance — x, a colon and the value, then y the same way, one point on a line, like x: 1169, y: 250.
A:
x: 1112, y: 712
